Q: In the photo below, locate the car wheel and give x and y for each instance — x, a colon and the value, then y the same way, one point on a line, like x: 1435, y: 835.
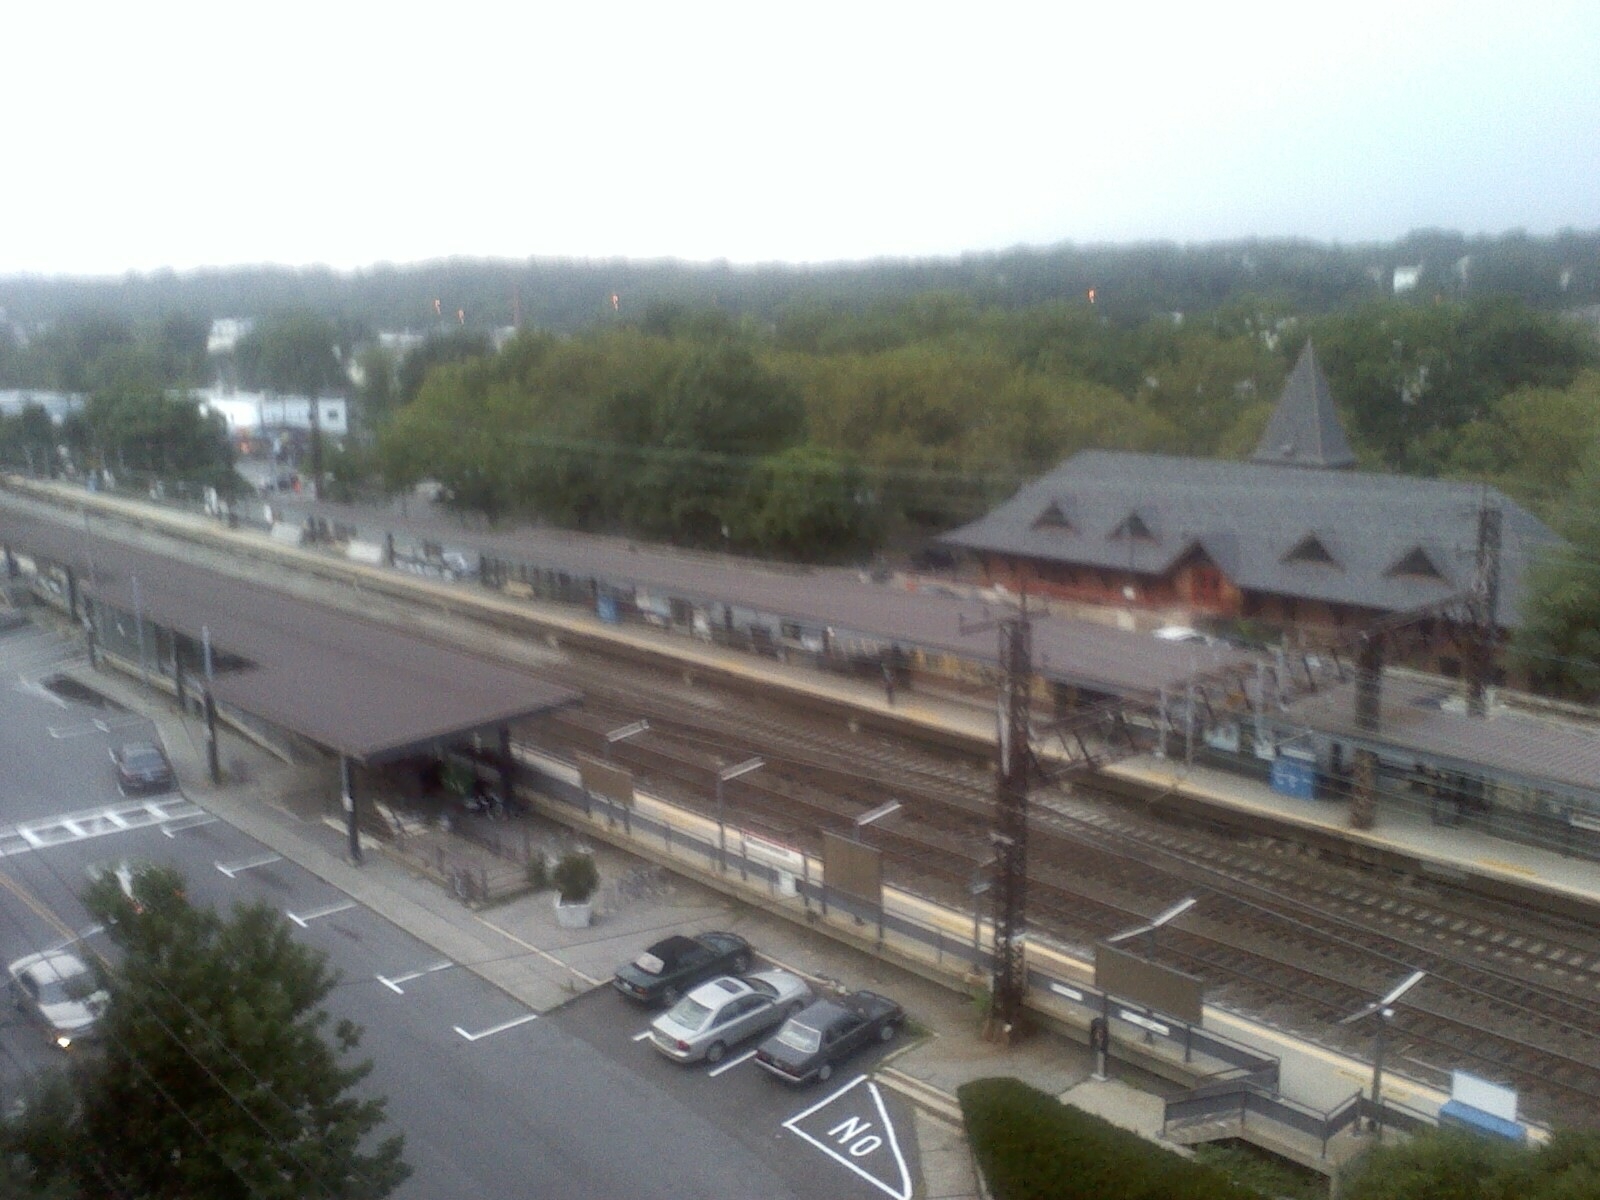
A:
x: 794, y: 1008
x: 886, y: 1034
x: 715, y: 1053
x: 824, y: 1072
x: 741, y: 962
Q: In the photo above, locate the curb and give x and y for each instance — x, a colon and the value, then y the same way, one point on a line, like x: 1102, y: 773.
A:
x: 932, y: 1100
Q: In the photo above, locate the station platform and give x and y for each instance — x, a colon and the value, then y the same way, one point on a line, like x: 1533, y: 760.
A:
x: 1404, y: 833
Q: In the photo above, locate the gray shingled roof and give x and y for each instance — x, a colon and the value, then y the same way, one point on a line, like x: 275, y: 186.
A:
x: 1256, y: 522
x: 1304, y: 430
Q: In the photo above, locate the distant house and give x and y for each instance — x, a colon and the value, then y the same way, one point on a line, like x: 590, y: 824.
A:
x: 255, y: 414
x: 1293, y: 537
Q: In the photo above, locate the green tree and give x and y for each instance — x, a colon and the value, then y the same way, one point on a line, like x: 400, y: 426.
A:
x: 1558, y: 642
x: 1454, y: 1165
x: 806, y: 503
x: 218, y: 1074
x: 296, y: 354
x: 28, y: 440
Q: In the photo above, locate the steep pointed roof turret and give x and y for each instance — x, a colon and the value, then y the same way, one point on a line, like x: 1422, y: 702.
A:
x: 1304, y: 430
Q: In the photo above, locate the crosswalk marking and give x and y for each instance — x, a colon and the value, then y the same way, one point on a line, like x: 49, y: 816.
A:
x: 80, y: 826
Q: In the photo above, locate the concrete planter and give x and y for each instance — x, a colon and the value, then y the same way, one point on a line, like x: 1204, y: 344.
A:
x: 574, y: 916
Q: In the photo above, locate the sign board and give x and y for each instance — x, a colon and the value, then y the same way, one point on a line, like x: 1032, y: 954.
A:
x: 1484, y: 1096
x: 852, y: 868
x: 1164, y: 989
x: 773, y: 854
x: 604, y: 779
x: 1294, y: 776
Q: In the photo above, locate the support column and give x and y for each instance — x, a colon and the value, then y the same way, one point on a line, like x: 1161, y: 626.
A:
x: 1369, y: 683
x: 74, y: 595
x: 1483, y: 634
x: 213, y: 758
x: 507, y: 767
x: 1363, y: 790
x: 352, y: 807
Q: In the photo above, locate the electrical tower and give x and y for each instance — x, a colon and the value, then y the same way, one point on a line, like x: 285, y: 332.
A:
x: 1010, y: 835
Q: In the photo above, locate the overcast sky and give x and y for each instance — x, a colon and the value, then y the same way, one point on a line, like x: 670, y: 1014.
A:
x: 164, y: 134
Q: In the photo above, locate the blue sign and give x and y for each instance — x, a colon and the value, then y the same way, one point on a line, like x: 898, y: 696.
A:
x: 606, y: 608
x: 1294, y: 776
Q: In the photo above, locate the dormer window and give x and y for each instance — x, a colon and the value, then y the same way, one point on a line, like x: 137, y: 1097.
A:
x: 1054, y: 519
x: 1133, y: 527
x: 1416, y: 564
x: 1309, y: 550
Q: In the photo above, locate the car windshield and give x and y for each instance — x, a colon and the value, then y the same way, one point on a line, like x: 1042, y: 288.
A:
x: 142, y: 758
x: 763, y: 987
x: 800, y: 1037
x: 649, y: 963
x: 689, y: 1013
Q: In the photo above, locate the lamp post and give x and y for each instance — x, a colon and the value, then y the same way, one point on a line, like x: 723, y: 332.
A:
x: 727, y: 773
x: 1381, y: 1010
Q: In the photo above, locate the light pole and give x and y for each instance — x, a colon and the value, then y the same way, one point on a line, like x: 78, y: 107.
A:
x: 1381, y: 1010
x: 727, y: 773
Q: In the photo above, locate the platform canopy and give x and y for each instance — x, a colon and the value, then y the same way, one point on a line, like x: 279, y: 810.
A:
x: 361, y: 689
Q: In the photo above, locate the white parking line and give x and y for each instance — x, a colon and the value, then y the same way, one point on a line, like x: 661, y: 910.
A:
x: 306, y: 920
x: 249, y: 864
x: 174, y: 828
x: 639, y: 1037
x: 394, y: 984
x: 732, y: 1063
x: 512, y: 1024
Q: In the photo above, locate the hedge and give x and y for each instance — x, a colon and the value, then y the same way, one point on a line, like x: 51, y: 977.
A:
x: 1030, y: 1146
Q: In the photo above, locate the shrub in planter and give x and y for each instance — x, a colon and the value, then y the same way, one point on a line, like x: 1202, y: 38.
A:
x: 576, y: 878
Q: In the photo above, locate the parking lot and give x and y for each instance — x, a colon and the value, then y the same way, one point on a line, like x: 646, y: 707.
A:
x: 847, y: 1137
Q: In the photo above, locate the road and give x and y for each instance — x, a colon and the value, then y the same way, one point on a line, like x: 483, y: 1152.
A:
x: 495, y: 1100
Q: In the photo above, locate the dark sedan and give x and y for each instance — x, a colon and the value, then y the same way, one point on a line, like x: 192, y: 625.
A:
x: 816, y: 1040
x: 673, y: 965
x: 143, y: 767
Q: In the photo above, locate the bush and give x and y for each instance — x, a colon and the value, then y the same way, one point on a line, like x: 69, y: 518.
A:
x: 1032, y: 1147
x: 576, y: 877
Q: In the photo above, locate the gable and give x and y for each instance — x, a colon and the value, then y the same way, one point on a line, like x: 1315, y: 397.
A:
x: 1415, y: 564
x: 1310, y: 551
x: 1054, y: 519
x: 1133, y: 526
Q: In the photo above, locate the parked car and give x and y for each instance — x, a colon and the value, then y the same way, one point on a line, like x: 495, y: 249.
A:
x: 673, y: 965
x: 717, y: 1016
x: 143, y: 767
x: 58, y: 989
x: 813, y: 1042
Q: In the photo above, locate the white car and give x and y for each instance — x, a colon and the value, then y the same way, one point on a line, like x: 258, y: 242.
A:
x: 59, y: 990
x: 728, y: 1010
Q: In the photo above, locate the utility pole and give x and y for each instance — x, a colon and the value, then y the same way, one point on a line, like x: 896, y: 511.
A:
x: 1482, y: 604
x: 1010, y: 835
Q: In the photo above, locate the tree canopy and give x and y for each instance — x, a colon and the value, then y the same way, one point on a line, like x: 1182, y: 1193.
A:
x: 1454, y: 1165
x: 217, y: 1074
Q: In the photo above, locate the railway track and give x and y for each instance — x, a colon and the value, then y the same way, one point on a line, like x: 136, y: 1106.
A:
x: 1280, y: 935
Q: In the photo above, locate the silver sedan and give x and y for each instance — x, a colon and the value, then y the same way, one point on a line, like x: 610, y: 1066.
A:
x: 726, y: 1011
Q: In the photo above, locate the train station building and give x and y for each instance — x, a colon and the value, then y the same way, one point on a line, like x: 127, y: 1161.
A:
x: 1294, y: 537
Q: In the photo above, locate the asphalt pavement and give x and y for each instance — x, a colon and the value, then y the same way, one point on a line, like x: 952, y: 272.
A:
x: 519, y: 948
